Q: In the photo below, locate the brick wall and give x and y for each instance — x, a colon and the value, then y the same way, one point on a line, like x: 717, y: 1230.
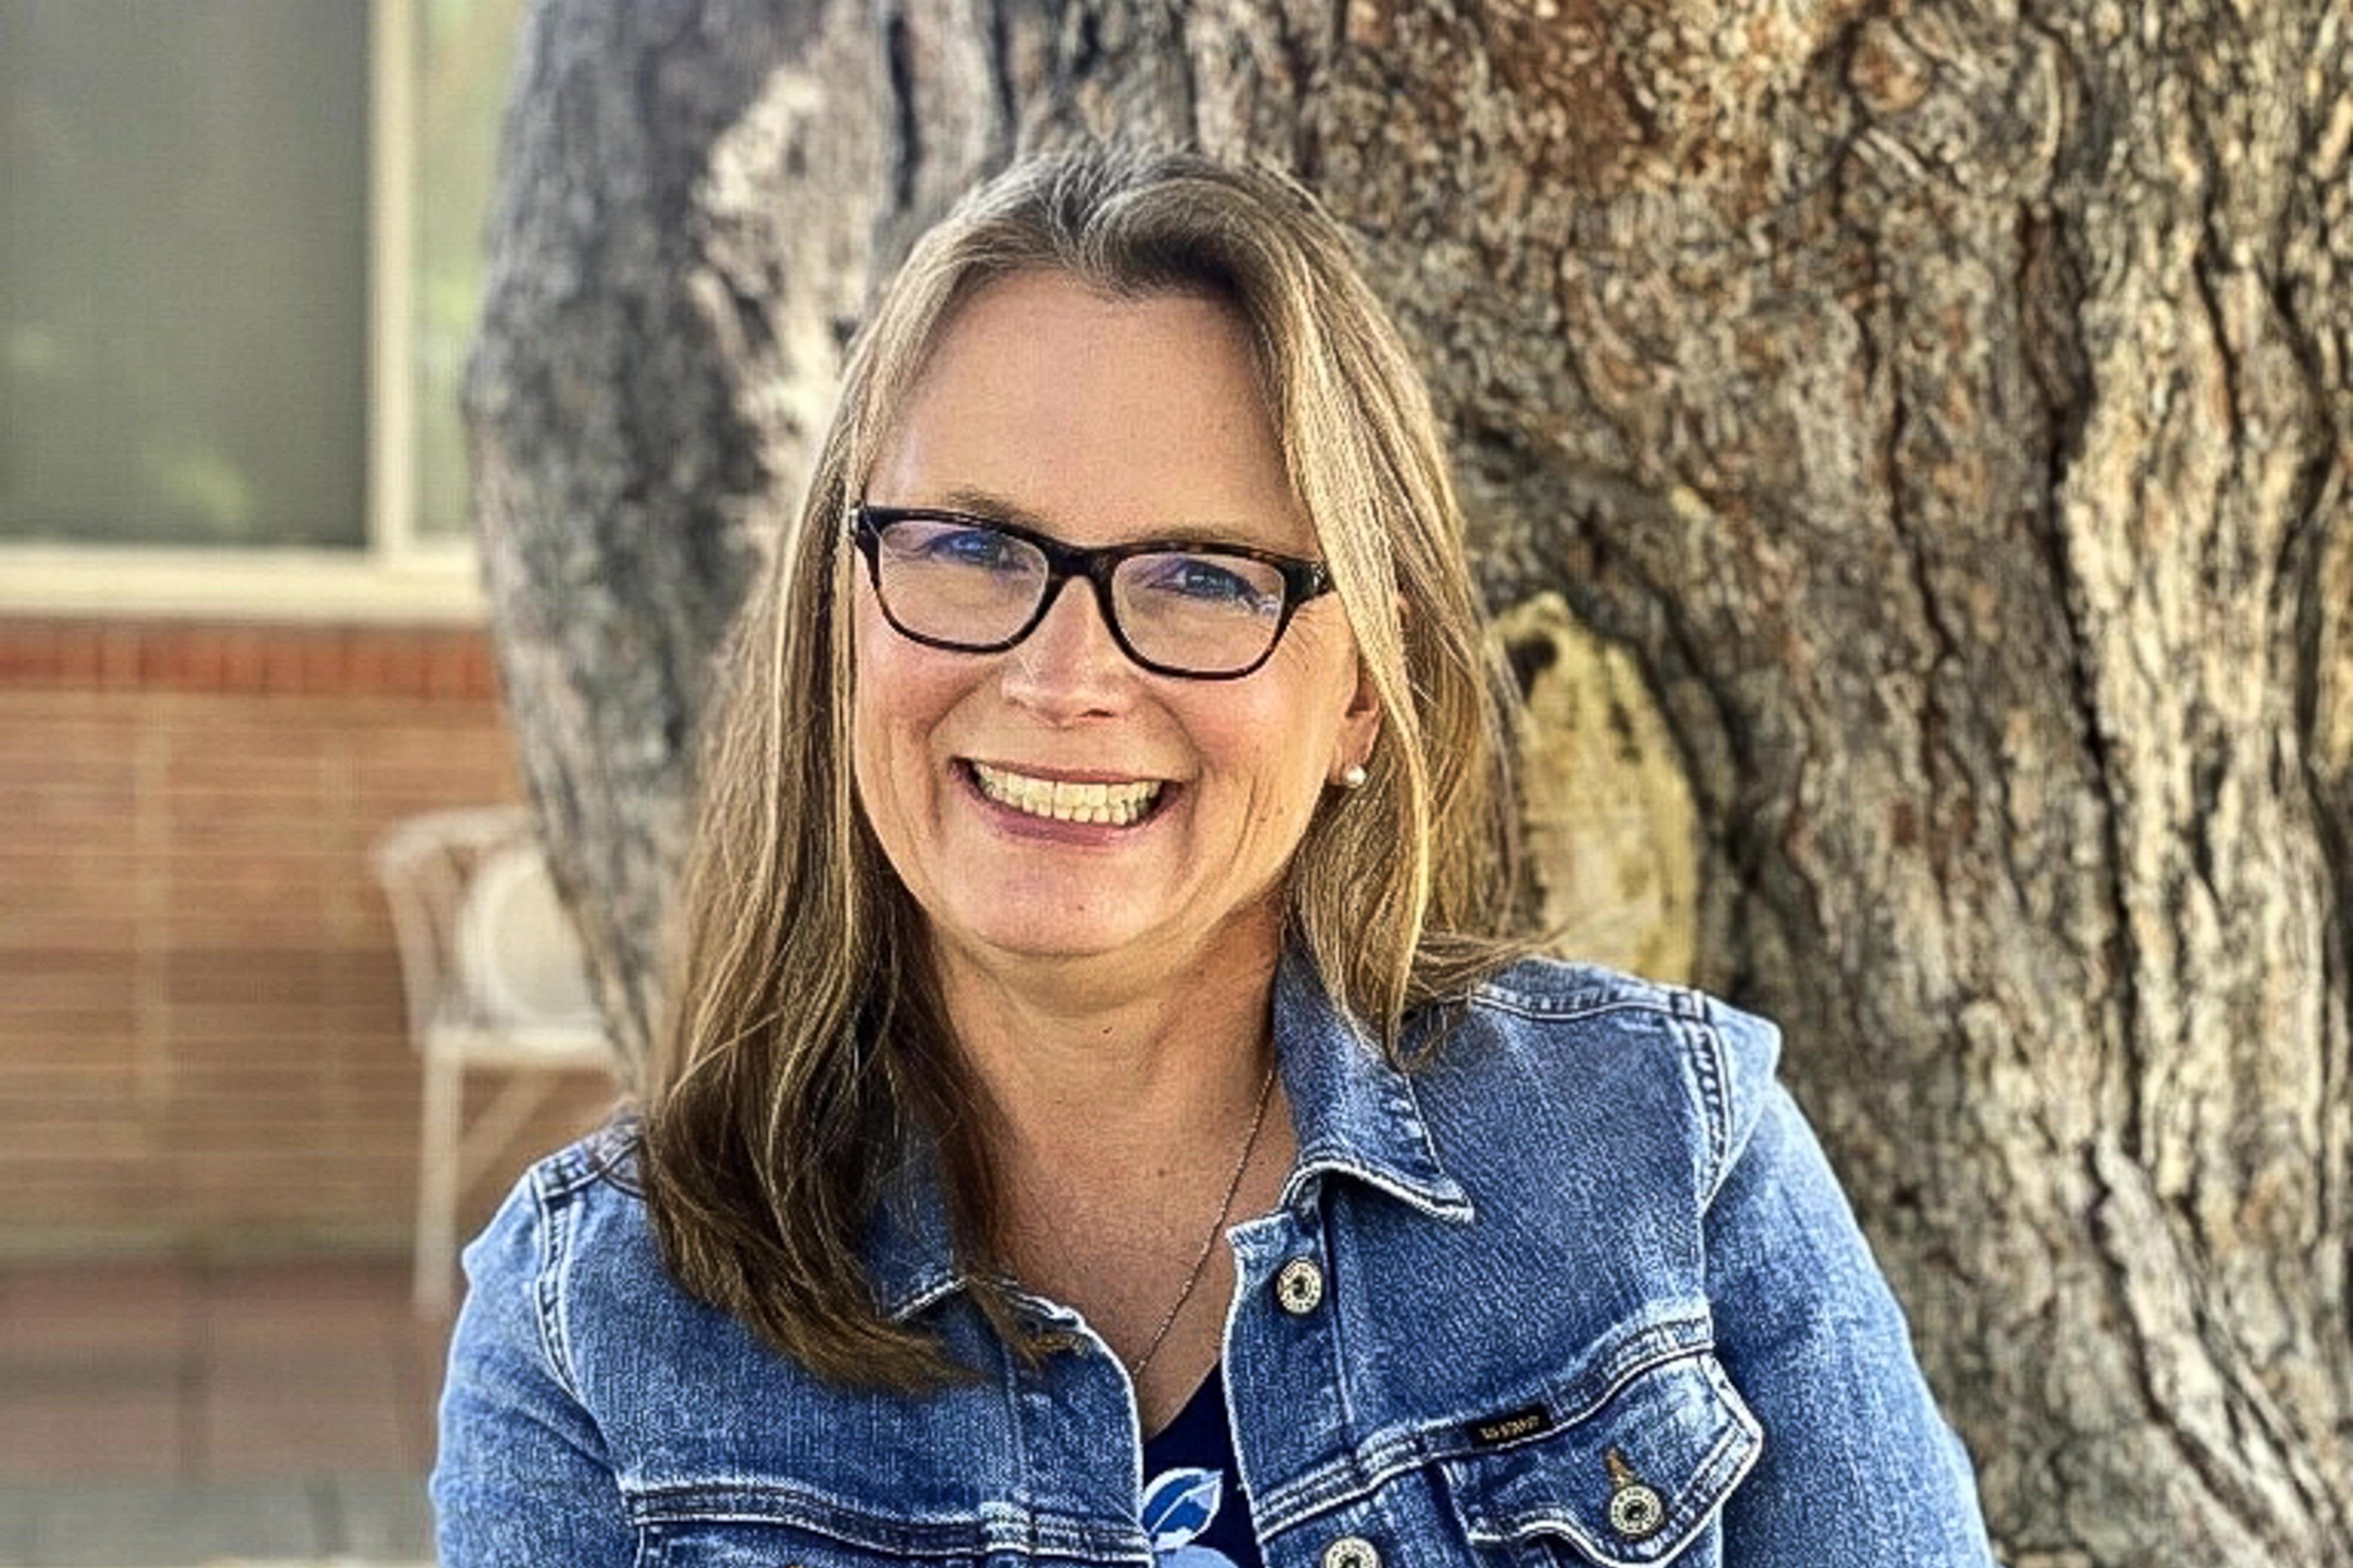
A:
x: 201, y: 1033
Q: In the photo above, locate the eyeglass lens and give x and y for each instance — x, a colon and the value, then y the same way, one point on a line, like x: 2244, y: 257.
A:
x: 963, y: 583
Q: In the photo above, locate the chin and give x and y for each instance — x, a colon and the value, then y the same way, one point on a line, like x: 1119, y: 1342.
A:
x: 1048, y: 940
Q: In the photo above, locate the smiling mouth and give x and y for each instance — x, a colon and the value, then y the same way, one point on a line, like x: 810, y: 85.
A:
x: 1119, y: 805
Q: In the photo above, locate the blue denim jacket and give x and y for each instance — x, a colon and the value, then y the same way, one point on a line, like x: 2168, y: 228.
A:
x: 1581, y: 1291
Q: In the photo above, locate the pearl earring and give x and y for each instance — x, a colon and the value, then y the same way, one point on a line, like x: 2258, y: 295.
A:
x: 1354, y: 776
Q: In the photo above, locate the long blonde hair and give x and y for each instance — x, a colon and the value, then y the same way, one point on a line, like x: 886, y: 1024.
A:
x: 804, y: 1045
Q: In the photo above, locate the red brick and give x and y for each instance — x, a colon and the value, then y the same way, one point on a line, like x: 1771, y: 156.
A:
x: 78, y: 659
x: 157, y: 647
x: 118, y: 655
x: 400, y: 669
x: 366, y: 656
x: 24, y: 652
x: 64, y: 881
x: 253, y: 1073
x: 282, y: 662
x: 324, y: 669
x: 242, y: 654
x: 207, y: 660
x: 75, y: 1434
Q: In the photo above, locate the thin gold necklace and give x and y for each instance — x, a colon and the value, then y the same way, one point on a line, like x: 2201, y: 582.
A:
x: 1217, y: 1229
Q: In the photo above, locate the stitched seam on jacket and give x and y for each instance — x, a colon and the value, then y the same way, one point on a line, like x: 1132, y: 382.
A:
x: 1019, y: 1434
x: 1709, y: 1068
x: 547, y: 1283
x: 810, y: 1510
x: 1527, y: 1004
x: 595, y: 1159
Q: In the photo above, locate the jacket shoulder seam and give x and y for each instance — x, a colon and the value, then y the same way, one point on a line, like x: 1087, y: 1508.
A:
x: 1587, y: 1002
x: 554, y: 1199
x: 1712, y: 1073
x: 606, y: 1155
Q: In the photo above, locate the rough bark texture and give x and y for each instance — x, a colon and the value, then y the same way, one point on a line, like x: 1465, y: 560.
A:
x: 1944, y: 408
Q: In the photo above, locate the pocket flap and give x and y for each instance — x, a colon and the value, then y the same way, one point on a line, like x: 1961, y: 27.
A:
x: 1628, y: 1484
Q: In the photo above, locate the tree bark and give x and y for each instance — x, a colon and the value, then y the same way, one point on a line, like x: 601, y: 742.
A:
x: 1944, y: 408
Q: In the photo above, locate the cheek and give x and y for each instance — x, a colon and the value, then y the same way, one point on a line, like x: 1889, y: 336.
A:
x: 1280, y: 750
x: 898, y: 695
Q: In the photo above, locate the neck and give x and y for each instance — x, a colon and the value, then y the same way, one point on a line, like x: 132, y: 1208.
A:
x: 1082, y: 1066
x: 1079, y: 1061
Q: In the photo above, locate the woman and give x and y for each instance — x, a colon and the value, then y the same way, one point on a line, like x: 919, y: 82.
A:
x: 1106, y: 1119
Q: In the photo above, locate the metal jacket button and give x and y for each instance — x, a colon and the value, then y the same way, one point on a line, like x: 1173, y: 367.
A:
x: 1636, y: 1510
x: 1351, y: 1552
x: 1300, y: 1290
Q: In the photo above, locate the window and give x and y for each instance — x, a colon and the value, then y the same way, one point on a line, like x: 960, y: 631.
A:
x: 239, y: 264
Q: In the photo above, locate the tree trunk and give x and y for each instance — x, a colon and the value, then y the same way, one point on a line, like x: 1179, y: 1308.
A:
x: 1945, y: 409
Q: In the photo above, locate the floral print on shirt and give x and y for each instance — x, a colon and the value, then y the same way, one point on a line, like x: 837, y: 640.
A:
x: 1178, y: 1506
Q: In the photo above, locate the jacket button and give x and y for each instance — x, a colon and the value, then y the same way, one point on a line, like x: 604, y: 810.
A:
x: 1636, y: 1511
x: 1351, y: 1552
x: 1299, y: 1288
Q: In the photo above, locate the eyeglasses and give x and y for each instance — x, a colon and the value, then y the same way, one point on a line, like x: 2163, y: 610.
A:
x: 975, y: 585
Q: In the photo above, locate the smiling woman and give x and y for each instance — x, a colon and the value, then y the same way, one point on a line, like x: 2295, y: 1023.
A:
x: 1107, y: 1114
x: 1038, y: 392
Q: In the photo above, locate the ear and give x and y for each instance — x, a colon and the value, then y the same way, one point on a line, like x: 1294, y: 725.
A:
x: 1360, y: 725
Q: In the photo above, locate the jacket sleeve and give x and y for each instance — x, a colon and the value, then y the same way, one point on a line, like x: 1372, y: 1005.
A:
x: 522, y: 1476
x: 1857, y: 1466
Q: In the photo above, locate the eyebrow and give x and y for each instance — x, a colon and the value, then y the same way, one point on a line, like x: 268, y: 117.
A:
x: 990, y: 506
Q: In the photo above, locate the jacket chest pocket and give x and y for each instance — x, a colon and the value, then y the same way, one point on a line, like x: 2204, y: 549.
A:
x: 1635, y: 1482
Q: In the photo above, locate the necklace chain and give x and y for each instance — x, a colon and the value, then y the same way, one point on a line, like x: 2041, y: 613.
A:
x: 1217, y: 1229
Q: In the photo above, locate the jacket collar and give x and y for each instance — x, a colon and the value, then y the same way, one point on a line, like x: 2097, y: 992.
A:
x: 1355, y: 1116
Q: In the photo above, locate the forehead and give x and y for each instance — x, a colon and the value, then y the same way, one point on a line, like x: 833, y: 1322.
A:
x: 1102, y: 416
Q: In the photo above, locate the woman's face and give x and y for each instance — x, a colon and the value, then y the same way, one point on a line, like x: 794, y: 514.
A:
x: 1098, y: 421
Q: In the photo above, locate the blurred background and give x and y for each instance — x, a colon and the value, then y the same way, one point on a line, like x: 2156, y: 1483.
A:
x: 244, y: 682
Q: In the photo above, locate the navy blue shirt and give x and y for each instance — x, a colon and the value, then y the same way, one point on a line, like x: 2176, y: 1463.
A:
x: 1194, y: 1508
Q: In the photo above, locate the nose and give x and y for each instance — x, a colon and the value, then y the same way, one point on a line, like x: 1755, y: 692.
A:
x: 1068, y: 667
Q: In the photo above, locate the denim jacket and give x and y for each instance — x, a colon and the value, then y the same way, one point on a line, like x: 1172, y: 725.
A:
x: 1581, y: 1290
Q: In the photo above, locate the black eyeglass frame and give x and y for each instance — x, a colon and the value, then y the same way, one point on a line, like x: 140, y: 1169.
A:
x: 1302, y: 579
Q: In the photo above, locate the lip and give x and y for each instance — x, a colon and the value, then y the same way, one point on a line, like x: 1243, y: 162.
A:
x: 1022, y: 824
x: 1060, y: 775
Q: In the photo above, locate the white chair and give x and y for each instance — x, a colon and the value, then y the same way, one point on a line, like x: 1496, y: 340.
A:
x: 495, y: 979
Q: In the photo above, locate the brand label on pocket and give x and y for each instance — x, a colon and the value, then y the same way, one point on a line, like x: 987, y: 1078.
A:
x: 1509, y: 1429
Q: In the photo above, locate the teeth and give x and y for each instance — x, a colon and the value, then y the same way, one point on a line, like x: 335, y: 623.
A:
x: 1116, y: 804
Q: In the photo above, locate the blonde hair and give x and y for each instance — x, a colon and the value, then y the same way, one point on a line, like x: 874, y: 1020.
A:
x: 804, y: 1045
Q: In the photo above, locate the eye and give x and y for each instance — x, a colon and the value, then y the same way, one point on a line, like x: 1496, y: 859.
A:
x: 928, y: 543
x: 1219, y: 581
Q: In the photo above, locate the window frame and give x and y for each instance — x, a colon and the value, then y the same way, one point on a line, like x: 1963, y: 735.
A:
x: 398, y: 574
